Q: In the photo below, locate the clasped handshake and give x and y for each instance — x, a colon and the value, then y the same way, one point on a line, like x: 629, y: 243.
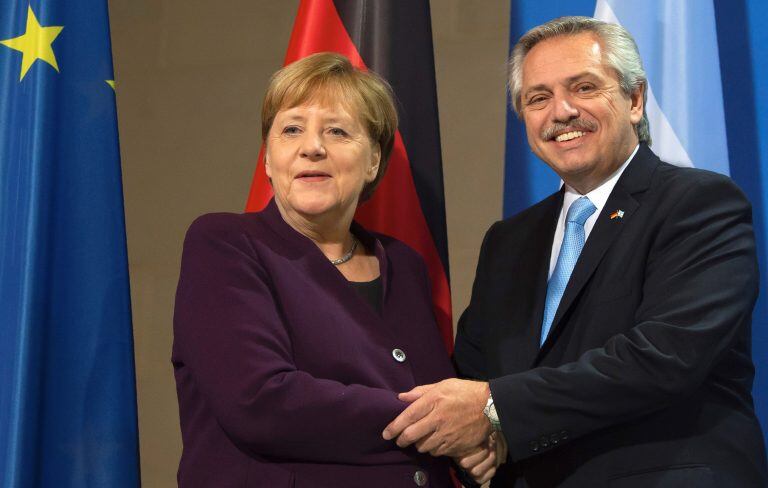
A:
x: 446, y: 419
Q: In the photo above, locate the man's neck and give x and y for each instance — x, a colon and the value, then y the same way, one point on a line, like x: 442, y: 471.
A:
x: 591, y: 182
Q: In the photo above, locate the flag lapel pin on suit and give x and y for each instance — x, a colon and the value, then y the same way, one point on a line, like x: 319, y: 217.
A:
x: 618, y: 214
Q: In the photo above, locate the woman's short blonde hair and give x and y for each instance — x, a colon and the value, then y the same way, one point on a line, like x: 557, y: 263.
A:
x: 332, y: 76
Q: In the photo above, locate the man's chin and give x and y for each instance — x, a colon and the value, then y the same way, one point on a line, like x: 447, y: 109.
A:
x: 570, y: 167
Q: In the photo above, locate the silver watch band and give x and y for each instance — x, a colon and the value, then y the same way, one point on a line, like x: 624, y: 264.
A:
x: 490, y: 412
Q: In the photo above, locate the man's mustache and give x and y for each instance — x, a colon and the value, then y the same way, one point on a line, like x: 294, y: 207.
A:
x: 552, y: 131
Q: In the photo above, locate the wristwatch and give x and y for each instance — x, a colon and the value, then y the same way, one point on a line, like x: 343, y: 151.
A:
x: 490, y: 412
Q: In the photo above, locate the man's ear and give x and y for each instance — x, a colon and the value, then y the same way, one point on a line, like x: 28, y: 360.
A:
x: 637, y: 107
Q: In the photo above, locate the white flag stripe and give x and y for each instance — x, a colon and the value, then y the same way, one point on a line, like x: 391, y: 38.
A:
x: 666, y: 145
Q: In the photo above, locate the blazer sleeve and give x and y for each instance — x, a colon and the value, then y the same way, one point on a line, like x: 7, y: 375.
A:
x: 230, y: 335
x: 699, y: 289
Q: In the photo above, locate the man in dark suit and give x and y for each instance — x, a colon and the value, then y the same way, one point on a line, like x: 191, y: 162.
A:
x: 609, y: 325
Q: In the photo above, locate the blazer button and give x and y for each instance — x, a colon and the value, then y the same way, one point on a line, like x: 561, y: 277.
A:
x: 420, y: 478
x: 554, y: 439
x: 534, y: 446
x: 544, y: 442
x: 399, y: 356
x: 563, y: 435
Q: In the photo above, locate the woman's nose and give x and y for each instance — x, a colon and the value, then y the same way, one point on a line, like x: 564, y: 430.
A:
x: 312, y: 146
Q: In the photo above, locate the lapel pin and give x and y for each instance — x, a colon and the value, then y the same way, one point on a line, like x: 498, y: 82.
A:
x: 618, y: 214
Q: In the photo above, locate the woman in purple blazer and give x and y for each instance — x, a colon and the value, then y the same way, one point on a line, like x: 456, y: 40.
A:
x: 295, y: 327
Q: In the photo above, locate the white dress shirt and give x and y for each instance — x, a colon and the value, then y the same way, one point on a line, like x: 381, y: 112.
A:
x: 598, y: 197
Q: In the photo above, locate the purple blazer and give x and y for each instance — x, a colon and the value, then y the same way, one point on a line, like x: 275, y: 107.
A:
x: 285, y: 375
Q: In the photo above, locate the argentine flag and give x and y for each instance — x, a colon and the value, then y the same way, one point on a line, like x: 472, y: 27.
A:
x: 678, y: 45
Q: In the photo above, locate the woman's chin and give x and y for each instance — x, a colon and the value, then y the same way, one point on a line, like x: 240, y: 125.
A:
x: 315, y: 206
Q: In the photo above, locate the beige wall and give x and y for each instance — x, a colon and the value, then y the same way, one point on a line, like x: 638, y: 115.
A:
x: 190, y: 76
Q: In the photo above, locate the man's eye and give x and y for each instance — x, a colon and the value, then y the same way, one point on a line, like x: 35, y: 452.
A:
x: 585, y: 88
x: 536, y: 100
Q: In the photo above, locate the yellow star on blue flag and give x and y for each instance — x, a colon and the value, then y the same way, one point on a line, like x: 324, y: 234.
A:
x: 35, y: 43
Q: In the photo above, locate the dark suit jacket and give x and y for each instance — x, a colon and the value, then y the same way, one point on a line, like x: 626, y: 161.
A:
x: 645, y: 377
x: 285, y: 375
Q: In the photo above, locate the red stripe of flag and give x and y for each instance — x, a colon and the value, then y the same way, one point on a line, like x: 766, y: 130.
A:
x: 395, y: 209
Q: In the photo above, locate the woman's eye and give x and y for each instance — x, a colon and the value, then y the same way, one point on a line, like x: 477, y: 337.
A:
x: 290, y: 130
x: 336, y: 131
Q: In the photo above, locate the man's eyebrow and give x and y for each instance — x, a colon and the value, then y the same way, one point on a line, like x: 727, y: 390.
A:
x: 582, y: 75
x: 569, y: 80
x: 535, y: 88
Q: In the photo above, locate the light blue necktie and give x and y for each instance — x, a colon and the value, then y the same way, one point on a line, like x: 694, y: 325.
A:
x: 573, y: 243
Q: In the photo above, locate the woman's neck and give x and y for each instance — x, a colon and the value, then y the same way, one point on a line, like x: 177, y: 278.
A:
x: 329, y: 231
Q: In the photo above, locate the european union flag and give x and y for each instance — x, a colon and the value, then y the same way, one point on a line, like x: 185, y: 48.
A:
x: 67, y: 387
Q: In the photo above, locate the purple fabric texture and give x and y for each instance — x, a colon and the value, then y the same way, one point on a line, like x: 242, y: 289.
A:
x: 285, y: 375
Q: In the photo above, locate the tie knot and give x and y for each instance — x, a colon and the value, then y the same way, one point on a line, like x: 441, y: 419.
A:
x: 580, y: 211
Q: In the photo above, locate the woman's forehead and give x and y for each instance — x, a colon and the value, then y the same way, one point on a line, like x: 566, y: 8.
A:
x: 327, y: 105
x: 329, y: 96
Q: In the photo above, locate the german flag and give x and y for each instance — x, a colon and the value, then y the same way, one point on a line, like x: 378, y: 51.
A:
x: 394, y: 39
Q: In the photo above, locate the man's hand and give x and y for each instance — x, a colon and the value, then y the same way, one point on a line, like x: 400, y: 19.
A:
x: 482, y: 463
x: 445, y: 419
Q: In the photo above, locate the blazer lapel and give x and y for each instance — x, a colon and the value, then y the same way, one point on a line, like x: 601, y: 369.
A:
x: 636, y: 178
x: 536, y: 290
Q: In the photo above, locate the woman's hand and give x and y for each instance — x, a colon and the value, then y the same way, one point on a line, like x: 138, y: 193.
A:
x: 481, y: 463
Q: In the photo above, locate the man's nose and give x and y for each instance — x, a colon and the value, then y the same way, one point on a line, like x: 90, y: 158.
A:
x: 564, y: 109
x: 312, y: 146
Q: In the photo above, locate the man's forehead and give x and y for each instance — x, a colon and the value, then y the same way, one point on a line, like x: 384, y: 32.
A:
x: 580, y: 38
x: 564, y: 57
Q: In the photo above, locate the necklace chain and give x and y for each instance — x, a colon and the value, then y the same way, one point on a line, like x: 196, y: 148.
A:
x: 346, y: 257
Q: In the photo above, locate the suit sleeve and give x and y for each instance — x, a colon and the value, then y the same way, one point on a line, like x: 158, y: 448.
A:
x: 699, y: 289
x: 231, y: 336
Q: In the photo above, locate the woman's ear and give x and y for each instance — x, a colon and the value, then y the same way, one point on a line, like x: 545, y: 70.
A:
x: 373, y: 169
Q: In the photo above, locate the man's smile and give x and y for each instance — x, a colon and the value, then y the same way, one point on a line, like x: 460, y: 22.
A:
x: 569, y: 136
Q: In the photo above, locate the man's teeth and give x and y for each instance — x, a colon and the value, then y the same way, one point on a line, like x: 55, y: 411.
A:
x: 569, y: 135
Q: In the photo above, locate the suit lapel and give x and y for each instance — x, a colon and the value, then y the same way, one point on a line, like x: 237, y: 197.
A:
x: 636, y: 178
x: 535, y: 292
